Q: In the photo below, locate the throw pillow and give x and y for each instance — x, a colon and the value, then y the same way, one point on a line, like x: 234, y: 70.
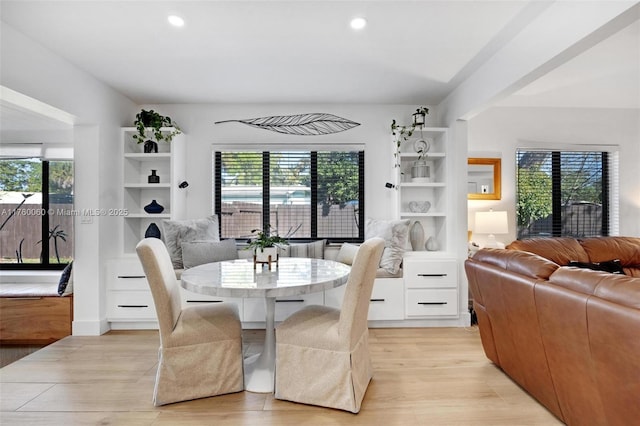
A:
x: 313, y: 250
x: 395, y: 234
x: 175, y: 232
x: 196, y: 253
x: 65, y: 285
x: 614, y: 266
x: 347, y: 253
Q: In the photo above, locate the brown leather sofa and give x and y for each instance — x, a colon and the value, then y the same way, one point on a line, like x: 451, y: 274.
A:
x: 569, y: 336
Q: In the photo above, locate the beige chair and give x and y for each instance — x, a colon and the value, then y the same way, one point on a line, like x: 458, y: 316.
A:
x: 200, y: 346
x: 322, y: 353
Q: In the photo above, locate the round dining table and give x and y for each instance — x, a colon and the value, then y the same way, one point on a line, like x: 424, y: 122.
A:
x: 290, y: 276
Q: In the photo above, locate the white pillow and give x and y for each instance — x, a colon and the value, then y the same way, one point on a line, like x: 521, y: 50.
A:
x: 395, y: 234
x: 347, y: 253
x: 313, y: 250
x: 196, y: 253
x: 175, y: 232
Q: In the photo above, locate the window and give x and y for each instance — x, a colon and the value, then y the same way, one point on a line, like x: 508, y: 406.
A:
x: 562, y: 193
x: 300, y: 194
x: 36, y: 204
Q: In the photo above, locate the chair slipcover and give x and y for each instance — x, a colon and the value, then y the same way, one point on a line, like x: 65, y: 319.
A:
x: 322, y: 353
x: 200, y: 351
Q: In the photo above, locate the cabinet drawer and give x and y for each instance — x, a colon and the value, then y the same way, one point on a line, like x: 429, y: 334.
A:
x: 130, y: 305
x: 254, y: 310
x: 190, y: 298
x: 427, y: 303
x: 430, y: 274
x: 387, y: 300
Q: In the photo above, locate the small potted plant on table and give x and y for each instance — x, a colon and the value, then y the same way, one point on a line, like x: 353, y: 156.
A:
x: 265, y: 247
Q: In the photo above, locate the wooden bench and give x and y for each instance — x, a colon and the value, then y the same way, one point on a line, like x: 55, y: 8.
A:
x: 34, y: 313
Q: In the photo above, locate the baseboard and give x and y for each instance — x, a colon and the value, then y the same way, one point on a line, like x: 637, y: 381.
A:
x: 89, y: 328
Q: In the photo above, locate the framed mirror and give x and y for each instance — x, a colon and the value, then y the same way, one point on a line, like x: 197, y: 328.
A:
x: 483, y: 179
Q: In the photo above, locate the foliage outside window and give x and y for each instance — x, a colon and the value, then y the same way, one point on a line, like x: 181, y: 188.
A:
x: 562, y: 194
x: 36, y: 205
x: 301, y: 194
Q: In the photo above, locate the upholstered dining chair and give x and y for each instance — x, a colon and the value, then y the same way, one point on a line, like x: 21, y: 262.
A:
x: 200, y: 351
x: 322, y: 353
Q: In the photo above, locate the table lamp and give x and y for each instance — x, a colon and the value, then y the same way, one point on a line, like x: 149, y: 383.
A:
x: 492, y: 223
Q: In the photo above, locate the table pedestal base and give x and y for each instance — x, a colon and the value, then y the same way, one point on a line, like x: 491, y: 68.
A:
x: 259, y: 370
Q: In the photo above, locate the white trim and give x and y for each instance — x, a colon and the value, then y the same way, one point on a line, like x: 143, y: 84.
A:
x: 254, y: 147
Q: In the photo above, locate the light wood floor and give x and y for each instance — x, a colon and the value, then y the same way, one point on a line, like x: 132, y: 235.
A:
x: 426, y: 376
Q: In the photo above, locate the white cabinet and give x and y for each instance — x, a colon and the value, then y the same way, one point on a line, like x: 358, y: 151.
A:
x: 415, y: 190
x: 386, y: 302
x: 129, y: 300
x: 254, y: 308
x: 431, y: 286
x: 137, y: 192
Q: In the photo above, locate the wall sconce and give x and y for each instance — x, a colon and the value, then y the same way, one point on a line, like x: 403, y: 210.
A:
x: 492, y: 223
x: 183, y: 184
x: 389, y: 185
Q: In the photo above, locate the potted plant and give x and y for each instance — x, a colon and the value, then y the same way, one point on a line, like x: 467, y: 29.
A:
x: 154, y: 122
x: 403, y: 133
x: 265, y: 246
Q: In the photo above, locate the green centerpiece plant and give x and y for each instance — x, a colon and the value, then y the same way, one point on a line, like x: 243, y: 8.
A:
x: 153, y: 122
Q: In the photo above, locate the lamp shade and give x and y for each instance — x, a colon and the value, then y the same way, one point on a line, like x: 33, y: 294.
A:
x: 492, y: 223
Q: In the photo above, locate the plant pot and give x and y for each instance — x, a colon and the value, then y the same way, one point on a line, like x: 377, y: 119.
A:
x: 267, y: 254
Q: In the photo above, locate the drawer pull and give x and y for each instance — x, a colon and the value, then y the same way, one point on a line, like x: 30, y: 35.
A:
x: 432, y: 275
x: 204, y: 301
x: 131, y: 276
x: 290, y: 301
x: 133, y: 306
x: 432, y: 303
x: 377, y: 300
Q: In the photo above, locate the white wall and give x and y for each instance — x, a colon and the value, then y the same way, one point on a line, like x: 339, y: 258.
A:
x: 32, y: 70
x: 505, y: 129
x: 197, y: 121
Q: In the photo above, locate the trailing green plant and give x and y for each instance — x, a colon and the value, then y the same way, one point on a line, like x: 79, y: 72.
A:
x: 403, y: 133
x: 263, y: 240
x: 154, y: 122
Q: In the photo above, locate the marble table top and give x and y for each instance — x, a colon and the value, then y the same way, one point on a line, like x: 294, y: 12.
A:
x: 292, y: 276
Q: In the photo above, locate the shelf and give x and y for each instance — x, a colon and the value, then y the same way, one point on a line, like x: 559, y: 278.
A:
x: 422, y: 185
x: 141, y: 156
x: 412, y: 155
x: 428, y: 214
x: 148, y: 216
x: 147, y: 185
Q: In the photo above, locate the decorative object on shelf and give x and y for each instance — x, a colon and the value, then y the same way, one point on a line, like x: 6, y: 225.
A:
x: 419, y: 206
x: 419, y: 116
x: 152, y: 231
x: 265, y: 247
x: 416, y: 236
x: 153, y: 177
x: 420, y: 171
x: 402, y: 133
x: 421, y: 146
x: 153, y: 207
x: 300, y: 124
x: 432, y: 244
x: 150, y: 146
x: 151, y: 120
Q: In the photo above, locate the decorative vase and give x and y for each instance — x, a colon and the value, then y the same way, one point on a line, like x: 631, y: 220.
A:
x: 152, y: 231
x: 432, y: 244
x: 153, y: 207
x: 153, y: 177
x: 416, y: 236
x: 150, y: 146
x: 420, y: 171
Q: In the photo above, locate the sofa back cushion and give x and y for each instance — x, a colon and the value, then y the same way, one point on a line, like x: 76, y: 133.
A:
x: 560, y: 250
x: 521, y: 262
x: 602, y: 249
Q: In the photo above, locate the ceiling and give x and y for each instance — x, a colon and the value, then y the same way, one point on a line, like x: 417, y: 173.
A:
x: 411, y: 52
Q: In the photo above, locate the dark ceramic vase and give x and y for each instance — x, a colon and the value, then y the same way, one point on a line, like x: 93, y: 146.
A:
x: 152, y: 231
x: 150, y: 146
x: 153, y: 207
x: 153, y: 177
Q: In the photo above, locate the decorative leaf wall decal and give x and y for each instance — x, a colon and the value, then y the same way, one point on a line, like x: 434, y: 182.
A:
x: 300, y: 124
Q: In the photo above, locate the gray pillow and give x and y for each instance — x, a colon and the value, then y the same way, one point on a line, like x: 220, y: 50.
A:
x: 347, y: 253
x: 314, y: 250
x: 196, y: 253
x: 175, y: 232
x: 395, y: 234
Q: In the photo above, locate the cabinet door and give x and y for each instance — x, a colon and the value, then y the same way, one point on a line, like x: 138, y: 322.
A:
x: 386, y: 302
x: 431, y: 302
x: 130, y: 305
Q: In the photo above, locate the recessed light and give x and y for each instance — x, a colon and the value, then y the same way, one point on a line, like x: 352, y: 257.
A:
x: 175, y: 20
x: 358, y: 23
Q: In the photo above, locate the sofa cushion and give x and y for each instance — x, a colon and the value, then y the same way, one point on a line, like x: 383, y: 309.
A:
x: 313, y: 250
x: 522, y: 262
x: 561, y: 250
x: 175, y: 232
x: 601, y: 249
x: 347, y: 253
x: 395, y: 234
x: 196, y: 253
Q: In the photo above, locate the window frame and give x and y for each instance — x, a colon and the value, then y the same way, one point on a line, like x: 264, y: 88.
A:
x: 44, y: 230
x: 608, y: 161
x: 313, y: 150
